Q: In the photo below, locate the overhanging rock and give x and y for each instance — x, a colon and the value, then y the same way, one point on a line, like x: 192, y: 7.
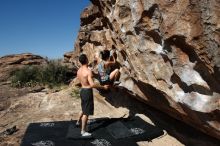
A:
x: 168, y: 51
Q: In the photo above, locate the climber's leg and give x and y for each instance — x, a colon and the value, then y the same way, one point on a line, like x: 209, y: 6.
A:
x: 114, y: 75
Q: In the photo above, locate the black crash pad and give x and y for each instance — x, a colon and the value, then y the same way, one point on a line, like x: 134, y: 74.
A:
x: 74, y: 133
x: 118, y: 130
x: 106, y: 132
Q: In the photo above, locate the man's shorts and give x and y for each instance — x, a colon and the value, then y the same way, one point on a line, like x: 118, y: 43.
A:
x: 87, y: 102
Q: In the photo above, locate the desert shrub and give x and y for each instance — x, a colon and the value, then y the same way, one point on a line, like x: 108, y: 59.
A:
x: 26, y: 76
x: 52, y: 74
x: 75, y: 93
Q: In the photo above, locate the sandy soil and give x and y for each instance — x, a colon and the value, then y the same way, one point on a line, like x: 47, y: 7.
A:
x: 20, y: 107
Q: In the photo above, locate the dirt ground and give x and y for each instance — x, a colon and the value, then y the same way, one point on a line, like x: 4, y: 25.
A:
x: 19, y: 107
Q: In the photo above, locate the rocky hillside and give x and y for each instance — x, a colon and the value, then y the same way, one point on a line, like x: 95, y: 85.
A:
x: 11, y: 62
x: 168, y: 53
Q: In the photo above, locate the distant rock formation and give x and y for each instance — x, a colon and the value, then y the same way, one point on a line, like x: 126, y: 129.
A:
x: 168, y: 50
x: 10, y: 63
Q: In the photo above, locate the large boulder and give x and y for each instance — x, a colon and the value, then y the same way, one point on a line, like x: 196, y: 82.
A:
x: 10, y: 63
x: 168, y: 50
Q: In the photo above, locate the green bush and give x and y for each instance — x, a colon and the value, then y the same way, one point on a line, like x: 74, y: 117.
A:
x: 75, y: 93
x: 26, y: 76
x: 52, y: 74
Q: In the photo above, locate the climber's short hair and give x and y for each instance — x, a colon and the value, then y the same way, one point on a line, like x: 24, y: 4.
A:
x: 105, y: 54
x: 83, y: 59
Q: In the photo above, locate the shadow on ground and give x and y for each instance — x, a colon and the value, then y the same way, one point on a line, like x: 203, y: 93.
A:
x: 187, y: 135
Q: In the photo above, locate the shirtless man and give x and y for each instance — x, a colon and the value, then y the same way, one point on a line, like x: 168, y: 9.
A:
x: 84, y: 74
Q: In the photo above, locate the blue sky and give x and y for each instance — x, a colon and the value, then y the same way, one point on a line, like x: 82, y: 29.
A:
x: 43, y: 27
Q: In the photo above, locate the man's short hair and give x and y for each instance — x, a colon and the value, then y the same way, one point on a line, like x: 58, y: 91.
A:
x: 83, y: 59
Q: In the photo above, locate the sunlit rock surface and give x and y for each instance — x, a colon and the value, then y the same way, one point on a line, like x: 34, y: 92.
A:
x: 168, y: 52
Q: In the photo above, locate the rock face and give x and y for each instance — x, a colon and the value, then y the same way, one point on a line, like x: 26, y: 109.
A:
x: 11, y: 62
x: 168, y: 51
x: 67, y: 57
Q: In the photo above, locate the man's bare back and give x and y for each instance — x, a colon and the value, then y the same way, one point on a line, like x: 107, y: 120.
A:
x: 84, y: 74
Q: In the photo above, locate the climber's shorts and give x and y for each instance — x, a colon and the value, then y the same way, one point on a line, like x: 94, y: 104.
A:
x: 87, y: 102
x: 107, y: 81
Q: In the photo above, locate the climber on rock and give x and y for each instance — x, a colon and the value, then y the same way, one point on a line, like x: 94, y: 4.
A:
x: 85, y: 76
x: 107, y: 75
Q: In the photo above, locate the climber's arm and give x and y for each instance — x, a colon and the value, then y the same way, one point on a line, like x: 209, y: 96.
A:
x: 95, y: 85
x: 112, y: 62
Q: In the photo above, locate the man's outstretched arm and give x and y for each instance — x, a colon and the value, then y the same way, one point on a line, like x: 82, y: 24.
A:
x: 93, y: 85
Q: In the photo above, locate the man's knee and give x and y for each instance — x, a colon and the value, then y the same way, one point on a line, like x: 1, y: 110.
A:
x: 85, y: 116
x: 116, y: 70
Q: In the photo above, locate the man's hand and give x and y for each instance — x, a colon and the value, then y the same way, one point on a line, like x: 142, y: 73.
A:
x: 106, y: 87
